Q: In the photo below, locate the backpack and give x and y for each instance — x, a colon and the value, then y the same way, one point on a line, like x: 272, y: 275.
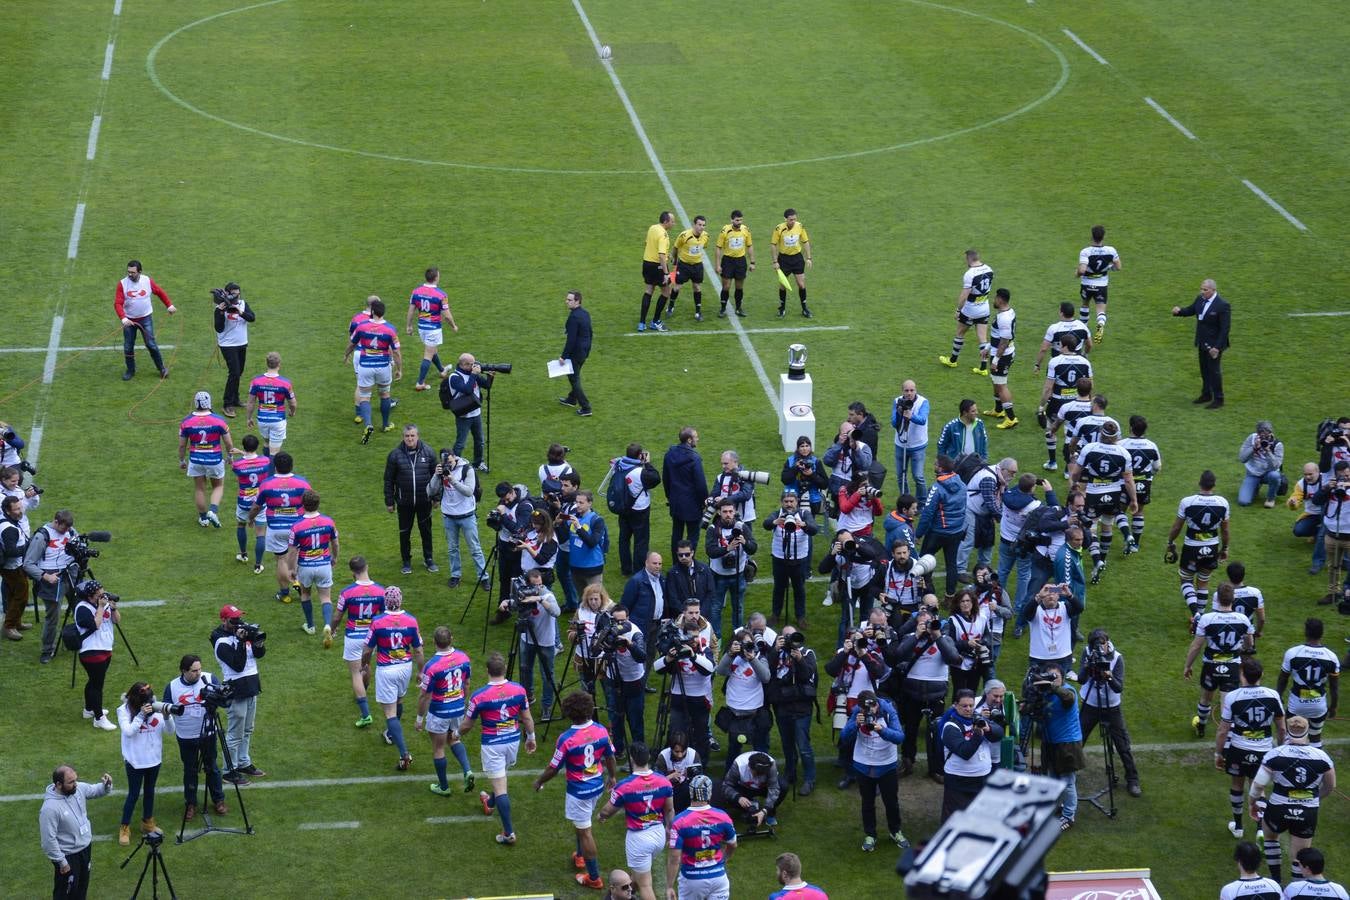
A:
x: 72, y: 637
x: 477, y: 484
x: 966, y: 465
x: 1040, y: 524
x: 617, y: 496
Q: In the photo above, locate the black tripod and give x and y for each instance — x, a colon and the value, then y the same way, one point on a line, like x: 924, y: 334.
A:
x: 154, y: 864
x: 663, y: 703
x: 597, y: 664
x: 484, y: 584
x: 70, y: 580
x: 1096, y: 690
x: 206, y: 760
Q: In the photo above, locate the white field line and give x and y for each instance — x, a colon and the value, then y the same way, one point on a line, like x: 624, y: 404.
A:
x: 660, y: 170
x: 107, y: 61
x: 77, y: 223
x: 117, y: 7
x: 140, y: 603
x: 1086, y: 49
x: 1311, y: 314
x: 1275, y: 206
x: 92, y: 148
x: 49, y: 364
x: 452, y: 820
x: 1169, y: 117
x: 117, y: 347
x: 738, y: 331
x: 325, y: 826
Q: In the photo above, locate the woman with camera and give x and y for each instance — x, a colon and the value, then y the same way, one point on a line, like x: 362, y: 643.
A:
x: 594, y: 601
x: 967, y: 626
x: 859, y: 505
x: 538, y: 548
x: 1263, y: 455
x: 805, y: 475
x: 874, y: 730
x: 969, y: 747
x: 144, y: 721
x: 96, y: 617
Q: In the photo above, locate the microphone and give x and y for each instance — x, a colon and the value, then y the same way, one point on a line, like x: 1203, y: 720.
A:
x: 99, y: 537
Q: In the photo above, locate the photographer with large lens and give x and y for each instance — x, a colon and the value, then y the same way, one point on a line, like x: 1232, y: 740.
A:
x: 793, y: 526
x: 744, y: 716
x: 857, y: 666
x: 1101, y: 680
x: 143, y: 721
x: 804, y: 474
x: 625, y: 691
x: 922, y: 660
x: 231, y: 318
x: 793, y: 677
x: 238, y: 645
x: 46, y: 561
x: 687, y: 649
x: 467, y: 383
x: 904, y: 583
x: 969, y: 749
x: 853, y: 564
x: 859, y: 504
x: 1063, y: 733
x: 968, y: 627
x: 196, y: 743
x: 845, y: 457
x: 96, y: 619
x: 737, y: 485
x: 730, y: 545
x: 874, y: 731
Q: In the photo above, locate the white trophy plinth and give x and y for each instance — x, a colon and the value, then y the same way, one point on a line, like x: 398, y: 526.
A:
x: 796, y: 414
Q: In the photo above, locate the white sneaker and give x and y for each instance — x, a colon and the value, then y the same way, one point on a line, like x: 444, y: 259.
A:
x: 88, y: 715
x: 1235, y: 829
x: 102, y: 723
x: 828, y: 601
x: 307, y: 629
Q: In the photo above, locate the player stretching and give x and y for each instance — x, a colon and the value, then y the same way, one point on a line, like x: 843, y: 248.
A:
x: 501, y: 706
x: 647, y: 799
x: 1095, y: 263
x: 441, y: 706
x: 972, y: 308
x: 395, y: 641
x: 583, y: 748
x: 429, y: 305
x: 252, y: 470
x: 363, y: 602
x: 378, y: 342
x: 701, y: 841
x: 313, y: 543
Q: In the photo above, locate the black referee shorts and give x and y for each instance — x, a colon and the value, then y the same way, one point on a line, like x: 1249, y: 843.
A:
x: 792, y: 263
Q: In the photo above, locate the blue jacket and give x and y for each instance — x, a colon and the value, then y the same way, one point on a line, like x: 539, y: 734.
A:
x: 898, y: 529
x: 685, y: 484
x: 1069, y: 570
x: 590, y: 542
x: 891, y: 732
x: 639, y: 598
x: 945, y: 510
x: 1063, y: 726
x: 953, y: 439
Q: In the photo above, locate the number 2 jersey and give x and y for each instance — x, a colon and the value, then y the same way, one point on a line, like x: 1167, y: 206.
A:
x: 579, y: 752
x: 1310, y: 672
x: 445, y: 678
x: 1250, y: 712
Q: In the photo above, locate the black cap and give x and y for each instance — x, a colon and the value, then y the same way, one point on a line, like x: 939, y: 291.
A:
x: 232, y: 287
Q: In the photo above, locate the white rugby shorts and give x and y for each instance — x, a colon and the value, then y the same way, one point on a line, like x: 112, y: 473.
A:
x: 442, y: 724
x: 391, y: 682
x: 644, y: 847
x: 368, y: 378
x: 580, y: 811
x: 352, y: 648
x: 718, y: 888
x: 497, y: 758
x: 278, y: 540
x: 315, y: 576
x: 200, y: 469
x: 273, y: 433
x: 432, y: 337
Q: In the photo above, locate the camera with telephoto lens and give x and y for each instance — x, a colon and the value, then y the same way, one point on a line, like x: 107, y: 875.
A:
x: 496, y: 368
x: 753, y: 475
x: 871, y: 712
x: 980, y: 722
x: 216, y: 694
x: 229, y: 295
x: 868, y: 492
x: 789, y: 521
x: 1036, y: 689
x: 709, y: 513
x: 167, y: 709
x: 608, y: 631
x: 79, y: 549
x: 906, y: 404
x: 796, y: 640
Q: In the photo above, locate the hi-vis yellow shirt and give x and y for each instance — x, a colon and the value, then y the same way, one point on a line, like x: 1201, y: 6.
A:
x: 733, y: 242
x: 689, y: 247
x: 789, y: 240
x: 658, y: 242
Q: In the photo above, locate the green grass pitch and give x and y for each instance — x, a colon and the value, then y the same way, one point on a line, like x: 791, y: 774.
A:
x: 317, y: 151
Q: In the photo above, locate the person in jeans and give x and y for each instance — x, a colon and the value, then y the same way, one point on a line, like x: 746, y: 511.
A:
x: 453, y: 484
x: 1063, y: 740
x: 142, y: 752
x: 875, y: 732
x: 909, y: 418
x: 942, y: 523
x: 793, y: 677
x: 538, y: 625
x: 729, y: 545
x: 1309, y: 522
x: 1263, y: 455
x: 238, y: 655
x: 625, y: 693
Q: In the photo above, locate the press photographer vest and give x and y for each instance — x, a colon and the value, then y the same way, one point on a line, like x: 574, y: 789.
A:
x: 250, y: 664
x: 54, y: 555
x: 189, y: 724
x: 797, y: 547
x: 980, y: 762
x: 100, y: 640
x: 20, y: 544
x: 136, y: 303
x: 629, y: 669
x: 1098, y: 694
x: 744, y: 690
x: 235, y: 332
x: 734, y: 561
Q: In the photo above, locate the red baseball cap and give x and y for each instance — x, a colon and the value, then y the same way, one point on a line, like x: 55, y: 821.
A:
x: 230, y: 611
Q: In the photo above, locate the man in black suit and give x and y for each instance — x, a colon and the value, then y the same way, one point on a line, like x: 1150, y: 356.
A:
x: 577, y: 348
x: 1212, y: 314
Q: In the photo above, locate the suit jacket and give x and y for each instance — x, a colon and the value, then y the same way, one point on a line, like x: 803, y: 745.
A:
x: 1212, y: 330
x: 578, y: 345
x: 685, y: 484
x: 640, y: 600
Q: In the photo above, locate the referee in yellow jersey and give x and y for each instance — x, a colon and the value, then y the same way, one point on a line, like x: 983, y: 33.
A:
x: 690, y: 248
x: 734, y: 250
x: 790, y: 248
x: 655, y: 266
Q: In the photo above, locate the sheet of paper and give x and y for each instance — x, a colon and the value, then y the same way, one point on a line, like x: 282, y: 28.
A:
x: 559, y: 367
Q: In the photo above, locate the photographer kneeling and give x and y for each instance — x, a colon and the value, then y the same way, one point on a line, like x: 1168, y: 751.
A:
x: 874, y: 729
x: 970, y: 744
x: 196, y: 745
x: 752, y: 783
x: 1063, y: 735
x: 537, y: 613
x: 238, y: 646
x: 143, y: 721
x: 745, y: 715
x: 1102, y: 681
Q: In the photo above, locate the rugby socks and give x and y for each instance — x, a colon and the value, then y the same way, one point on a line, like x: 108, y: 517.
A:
x: 439, y: 763
x: 461, y: 755
x: 1103, y: 547
x: 363, y: 410
x: 593, y: 868
x: 1202, y: 712
x: 436, y: 361
x: 395, y: 729
x: 502, y: 803
x: 307, y: 607
x: 386, y: 406
x: 1315, y: 730
x: 1273, y: 858
x: 363, y: 705
x: 1083, y: 313
x: 1050, y: 446
x: 782, y: 299
x: 1188, y: 594
x: 698, y: 300
x: 327, y: 609
x: 1235, y: 801
x: 422, y: 371
x: 1202, y: 592
x: 259, y: 545
x: 739, y: 296
x: 957, y: 344
x: 1101, y: 320
x: 1007, y: 410
x: 241, y: 534
x: 646, y: 307
x: 1137, y: 528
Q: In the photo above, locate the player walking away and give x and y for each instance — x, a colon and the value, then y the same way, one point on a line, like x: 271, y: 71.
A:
x: 279, y: 497
x: 647, y: 801
x: 1095, y: 263
x: 735, y: 250
x: 795, y: 887
x: 271, y: 398
x: 379, y: 365
x: 1205, y: 518
x: 582, y: 749
x: 362, y: 602
x: 203, y: 441
x: 700, y: 842
x: 1249, y: 884
x: 1299, y: 776
x: 1103, y: 470
x: 502, y: 706
x: 1314, y: 883
x: 1001, y: 358
x: 1247, y: 598
x: 429, y: 306
x: 1223, y: 635
x: 312, y: 549
x: 1067, y: 324
x: 358, y: 320
x: 1314, y: 673
x: 790, y: 250
x: 691, y: 248
x: 972, y: 308
x: 1251, y: 723
x: 440, y: 706
x: 1145, y: 464
x: 251, y: 470
x: 395, y: 641
x: 655, y: 268
x: 1088, y: 428
x: 1061, y: 385
x: 1069, y: 414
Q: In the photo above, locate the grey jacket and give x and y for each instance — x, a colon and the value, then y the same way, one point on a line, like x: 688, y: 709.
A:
x: 1258, y: 464
x: 64, y: 821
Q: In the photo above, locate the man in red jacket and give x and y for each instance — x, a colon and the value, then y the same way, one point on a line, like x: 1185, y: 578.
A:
x: 134, y: 308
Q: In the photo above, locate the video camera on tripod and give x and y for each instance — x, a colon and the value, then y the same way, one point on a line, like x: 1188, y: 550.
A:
x: 79, y: 550
x: 524, y: 599
x: 670, y: 637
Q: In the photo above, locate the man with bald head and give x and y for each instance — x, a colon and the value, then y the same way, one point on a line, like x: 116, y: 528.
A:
x: 909, y: 418
x: 467, y: 383
x: 66, y: 834
x: 1212, y: 318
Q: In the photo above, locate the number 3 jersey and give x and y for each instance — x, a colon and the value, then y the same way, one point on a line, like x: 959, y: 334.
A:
x: 1250, y: 712
x: 1297, y: 771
